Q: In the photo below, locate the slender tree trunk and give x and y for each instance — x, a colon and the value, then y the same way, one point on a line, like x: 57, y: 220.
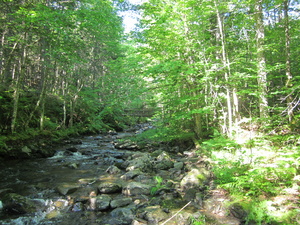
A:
x: 288, y: 72
x: 72, y: 108
x: 41, y: 102
x: 64, y: 88
x: 226, y: 66
x: 42, y: 115
x: 261, y: 67
x: 17, y: 86
x: 16, y: 96
x: 2, y: 55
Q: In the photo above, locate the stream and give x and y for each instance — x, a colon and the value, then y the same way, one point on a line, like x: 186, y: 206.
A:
x: 94, y: 181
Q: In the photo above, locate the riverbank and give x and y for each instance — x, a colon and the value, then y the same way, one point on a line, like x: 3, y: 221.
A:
x: 109, y: 179
x: 37, y: 144
x: 114, y: 178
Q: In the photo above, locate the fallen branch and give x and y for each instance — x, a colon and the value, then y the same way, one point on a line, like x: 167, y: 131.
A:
x: 176, y: 213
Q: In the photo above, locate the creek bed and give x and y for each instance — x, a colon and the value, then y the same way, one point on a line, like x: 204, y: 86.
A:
x: 81, y: 184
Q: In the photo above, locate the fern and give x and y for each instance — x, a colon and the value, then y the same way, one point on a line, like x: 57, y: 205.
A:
x: 158, y: 186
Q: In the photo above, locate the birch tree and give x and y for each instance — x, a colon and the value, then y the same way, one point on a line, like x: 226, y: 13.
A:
x: 261, y: 61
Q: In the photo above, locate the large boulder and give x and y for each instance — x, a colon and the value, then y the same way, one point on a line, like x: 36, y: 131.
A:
x: 163, y: 161
x: 120, y: 202
x: 99, y: 203
x: 178, y: 165
x: 17, y: 204
x: 131, y: 174
x: 196, y: 178
x: 109, y: 187
x: 121, y: 216
x: 136, y: 188
x: 67, y: 188
x: 154, y: 214
x: 164, y: 165
x: 83, y: 193
x: 113, y: 170
x: 142, y: 161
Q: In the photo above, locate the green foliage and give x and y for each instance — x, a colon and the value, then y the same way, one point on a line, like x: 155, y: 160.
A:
x: 2, y: 143
x: 239, y: 178
x: 201, y: 220
x: 158, y: 185
x: 257, y: 185
x: 264, y: 212
x: 166, y: 134
x: 258, y: 213
x: 219, y: 142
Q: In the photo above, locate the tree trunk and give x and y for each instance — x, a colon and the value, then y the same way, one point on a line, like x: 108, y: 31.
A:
x: 18, y: 81
x: 288, y: 72
x: 226, y: 66
x: 64, y: 88
x: 261, y: 67
x: 41, y: 102
x: 16, y: 96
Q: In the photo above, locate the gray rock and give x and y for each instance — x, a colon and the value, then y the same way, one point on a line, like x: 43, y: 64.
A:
x: 154, y: 214
x: 195, y: 178
x: 60, y: 204
x: 121, y: 216
x: 126, y: 144
x: 164, y: 165
x: 163, y: 157
x: 99, y: 203
x: 66, y: 189
x: 132, y: 174
x: 120, y: 202
x: 82, y: 194
x: 124, y: 135
x: 144, y: 178
x: 72, y: 149
x: 198, y: 201
x: 182, y: 218
x: 190, y: 194
x: 178, y: 165
x: 163, y: 161
x: 140, y: 161
x: 108, y: 188
x: 113, y: 170
x: 136, y: 188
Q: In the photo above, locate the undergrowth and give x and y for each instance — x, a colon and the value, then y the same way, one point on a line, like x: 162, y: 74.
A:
x: 257, y: 176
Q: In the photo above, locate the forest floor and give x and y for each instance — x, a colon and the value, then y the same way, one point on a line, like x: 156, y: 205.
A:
x: 261, y: 174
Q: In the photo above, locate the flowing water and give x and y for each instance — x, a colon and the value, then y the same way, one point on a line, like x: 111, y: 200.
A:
x: 82, y: 163
x: 38, y: 178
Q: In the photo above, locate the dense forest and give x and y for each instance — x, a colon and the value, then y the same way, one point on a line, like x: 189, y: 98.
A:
x: 220, y: 76
x: 62, y: 65
x: 210, y: 66
x: 218, y: 64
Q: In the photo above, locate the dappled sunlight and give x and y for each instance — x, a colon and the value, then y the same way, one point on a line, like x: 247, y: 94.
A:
x: 262, y: 178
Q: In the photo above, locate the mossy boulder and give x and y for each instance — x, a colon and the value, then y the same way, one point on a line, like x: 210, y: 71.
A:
x: 16, y: 204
